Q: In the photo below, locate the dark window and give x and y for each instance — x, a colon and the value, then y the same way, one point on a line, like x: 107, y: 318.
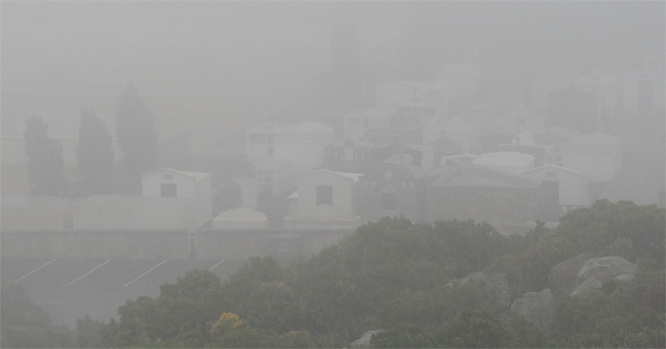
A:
x: 550, y: 174
x: 324, y: 195
x: 389, y: 201
x: 168, y: 190
x: 167, y: 176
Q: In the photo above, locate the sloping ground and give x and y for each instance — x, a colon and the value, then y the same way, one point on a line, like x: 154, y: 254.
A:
x: 69, y: 289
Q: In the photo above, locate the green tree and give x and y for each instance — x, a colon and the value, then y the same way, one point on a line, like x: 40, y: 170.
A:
x: 94, y: 155
x: 473, y: 329
x: 135, y: 131
x: 44, y: 160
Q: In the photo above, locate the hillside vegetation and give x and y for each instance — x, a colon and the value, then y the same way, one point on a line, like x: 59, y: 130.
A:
x: 449, y: 284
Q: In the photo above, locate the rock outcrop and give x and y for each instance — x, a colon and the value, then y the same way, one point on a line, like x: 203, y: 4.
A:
x: 565, y: 274
x: 536, y: 308
x: 364, y: 341
x: 589, y: 286
x: 596, y: 272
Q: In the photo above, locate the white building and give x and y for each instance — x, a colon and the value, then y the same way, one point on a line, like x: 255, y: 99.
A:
x: 507, y: 161
x: 170, y: 183
x: 597, y: 155
x: 563, y: 187
x: 325, y: 199
x: 240, y: 218
x: 301, y: 144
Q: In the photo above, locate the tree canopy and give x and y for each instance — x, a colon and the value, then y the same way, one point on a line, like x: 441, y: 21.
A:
x: 417, y: 283
x: 135, y: 131
x: 94, y: 155
x: 44, y: 159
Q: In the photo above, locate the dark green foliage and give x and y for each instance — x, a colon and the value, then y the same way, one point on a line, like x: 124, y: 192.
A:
x: 621, y: 316
x: 135, y: 131
x: 405, y: 278
x: 94, y: 155
x: 594, y: 228
x: 44, y: 160
x: 183, y: 310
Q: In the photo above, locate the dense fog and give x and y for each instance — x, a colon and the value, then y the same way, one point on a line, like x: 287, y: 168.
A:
x: 339, y: 173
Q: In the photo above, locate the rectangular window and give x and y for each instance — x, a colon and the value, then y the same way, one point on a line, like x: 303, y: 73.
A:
x: 167, y: 176
x: 550, y: 174
x: 324, y: 195
x: 168, y: 190
x: 389, y: 201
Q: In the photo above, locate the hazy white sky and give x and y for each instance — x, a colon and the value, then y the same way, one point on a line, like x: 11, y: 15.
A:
x: 224, y: 59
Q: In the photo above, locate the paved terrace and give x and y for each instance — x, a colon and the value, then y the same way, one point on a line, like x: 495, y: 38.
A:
x: 70, y: 288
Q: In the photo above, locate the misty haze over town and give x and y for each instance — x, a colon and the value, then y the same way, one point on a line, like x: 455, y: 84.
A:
x: 332, y: 173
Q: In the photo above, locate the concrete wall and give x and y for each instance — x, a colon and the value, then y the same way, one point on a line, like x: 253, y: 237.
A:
x: 159, y: 213
x: 483, y: 204
x: 172, y: 244
x: 95, y: 244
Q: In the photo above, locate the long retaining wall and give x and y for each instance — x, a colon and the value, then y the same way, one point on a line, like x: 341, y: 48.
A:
x: 171, y: 244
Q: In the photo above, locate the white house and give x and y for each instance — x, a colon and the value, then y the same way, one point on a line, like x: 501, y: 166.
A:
x: 507, y: 161
x: 563, y: 187
x: 598, y: 155
x: 325, y: 199
x: 170, y: 183
x: 240, y: 218
x: 301, y: 144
